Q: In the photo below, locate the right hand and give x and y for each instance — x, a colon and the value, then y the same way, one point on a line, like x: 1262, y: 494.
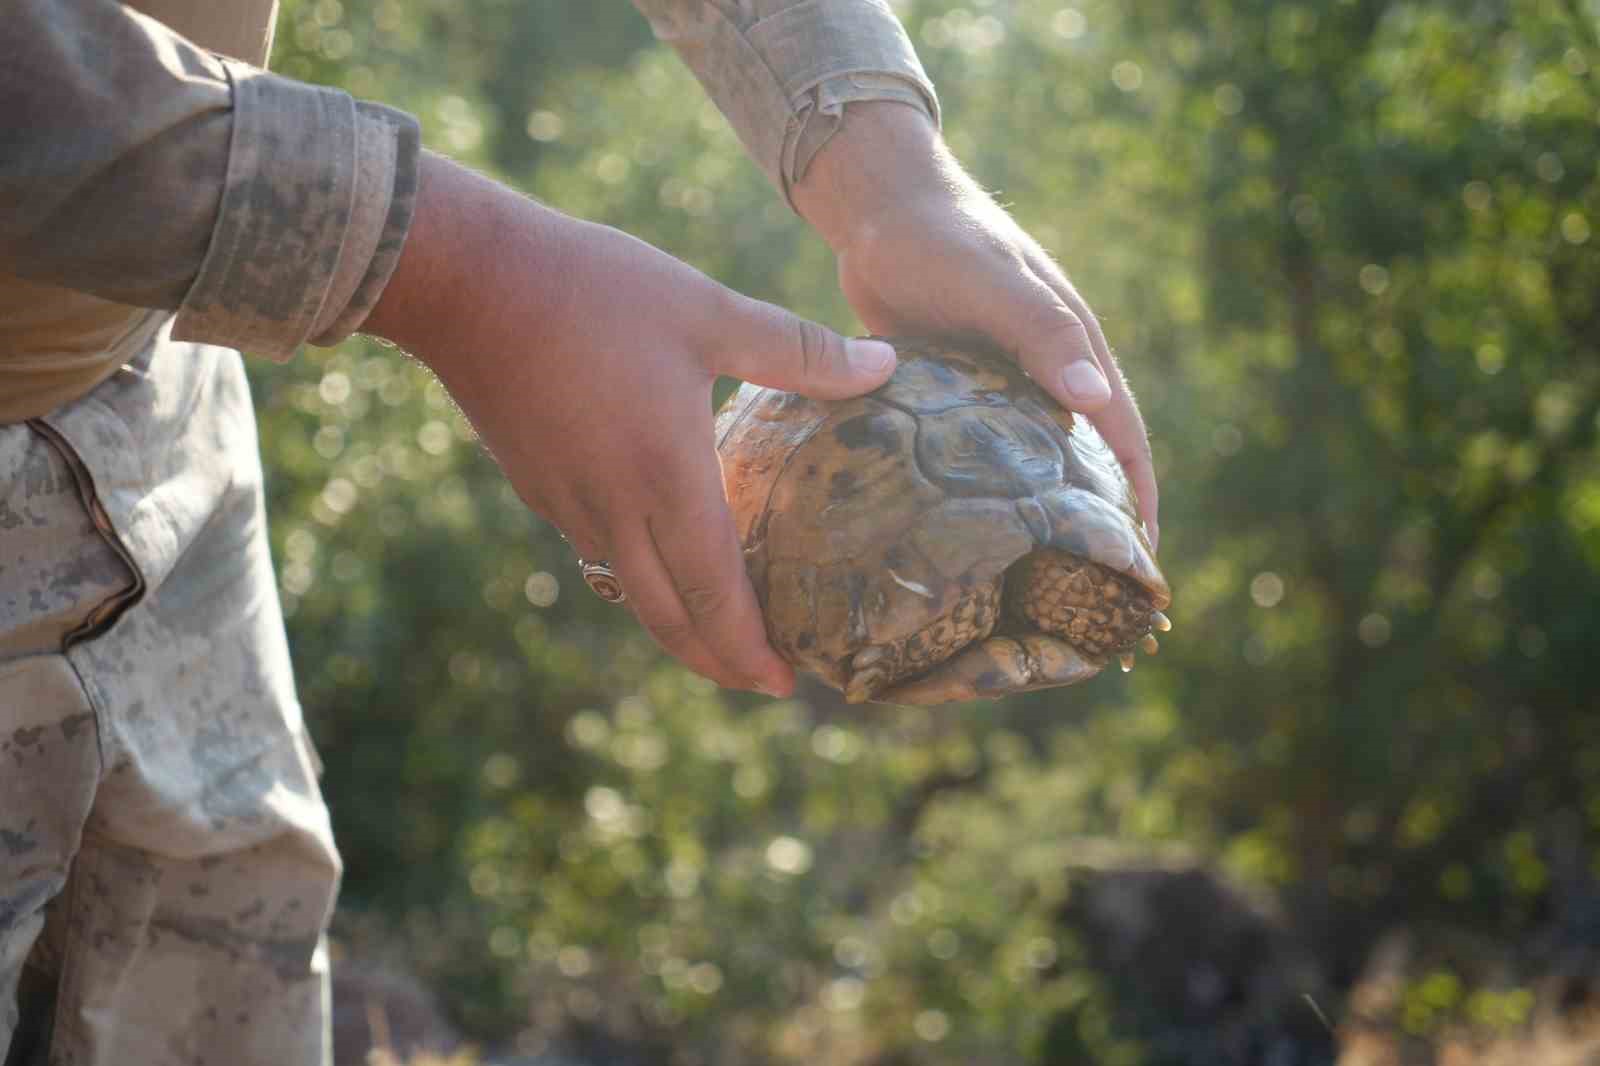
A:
x: 923, y: 250
x: 585, y: 360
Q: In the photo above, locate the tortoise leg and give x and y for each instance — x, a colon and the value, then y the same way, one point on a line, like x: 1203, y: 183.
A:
x: 878, y: 666
x: 993, y: 668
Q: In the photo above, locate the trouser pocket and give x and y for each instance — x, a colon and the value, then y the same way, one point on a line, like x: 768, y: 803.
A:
x: 104, y: 614
x: 65, y: 574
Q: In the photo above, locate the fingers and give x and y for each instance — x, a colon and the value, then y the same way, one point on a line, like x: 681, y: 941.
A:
x: 1118, y: 420
x: 680, y: 563
x: 656, y: 604
x: 1051, y: 341
x: 767, y: 345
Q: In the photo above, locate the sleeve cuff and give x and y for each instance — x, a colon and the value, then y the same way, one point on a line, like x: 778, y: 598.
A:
x: 783, y: 80
x: 317, y: 201
x: 829, y: 53
x: 826, y: 115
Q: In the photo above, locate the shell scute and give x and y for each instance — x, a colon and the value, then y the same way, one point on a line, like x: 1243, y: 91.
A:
x: 983, y: 451
x: 757, y: 433
x: 843, y: 504
x: 934, y: 378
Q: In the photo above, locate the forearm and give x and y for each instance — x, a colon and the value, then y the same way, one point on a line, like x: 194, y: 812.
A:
x: 478, y: 256
x: 456, y: 212
x: 882, y: 155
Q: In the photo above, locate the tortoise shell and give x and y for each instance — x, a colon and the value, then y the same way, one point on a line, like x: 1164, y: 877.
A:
x: 954, y: 534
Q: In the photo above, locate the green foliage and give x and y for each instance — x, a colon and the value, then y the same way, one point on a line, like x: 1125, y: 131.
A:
x: 1348, y: 254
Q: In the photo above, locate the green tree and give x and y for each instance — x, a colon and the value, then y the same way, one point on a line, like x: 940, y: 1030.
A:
x: 1347, y: 252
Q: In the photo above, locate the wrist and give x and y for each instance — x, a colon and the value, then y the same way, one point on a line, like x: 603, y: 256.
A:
x: 406, y: 301
x: 476, y: 249
x: 884, y: 154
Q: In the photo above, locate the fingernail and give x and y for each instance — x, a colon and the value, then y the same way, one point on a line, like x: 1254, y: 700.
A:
x: 869, y: 357
x: 1085, y: 384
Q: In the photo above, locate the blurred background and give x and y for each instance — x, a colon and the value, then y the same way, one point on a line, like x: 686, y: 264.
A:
x: 1347, y: 253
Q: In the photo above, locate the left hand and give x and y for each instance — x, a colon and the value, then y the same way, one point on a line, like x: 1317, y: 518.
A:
x: 922, y: 249
x: 585, y: 359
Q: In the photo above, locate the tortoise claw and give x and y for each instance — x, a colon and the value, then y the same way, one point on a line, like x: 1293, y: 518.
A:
x: 996, y: 667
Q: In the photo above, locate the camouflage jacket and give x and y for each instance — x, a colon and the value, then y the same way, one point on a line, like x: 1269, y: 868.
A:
x: 149, y: 167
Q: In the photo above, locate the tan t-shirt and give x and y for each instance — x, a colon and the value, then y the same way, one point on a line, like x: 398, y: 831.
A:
x: 56, y: 343
x: 154, y: 168
x: 150, y: 169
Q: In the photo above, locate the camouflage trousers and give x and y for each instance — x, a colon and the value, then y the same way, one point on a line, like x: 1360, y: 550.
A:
x: 166, y: 865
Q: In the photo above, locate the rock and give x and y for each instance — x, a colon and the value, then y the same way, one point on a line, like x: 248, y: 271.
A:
x: 378, y: 1005
x: 1204, y: 971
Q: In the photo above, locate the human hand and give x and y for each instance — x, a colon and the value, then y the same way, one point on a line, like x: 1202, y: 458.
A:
x: 585, y: 360
x: 923, y: 250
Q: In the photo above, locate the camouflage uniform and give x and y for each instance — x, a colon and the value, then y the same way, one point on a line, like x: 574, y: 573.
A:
x: 166, y: 868
x: 159, y: 811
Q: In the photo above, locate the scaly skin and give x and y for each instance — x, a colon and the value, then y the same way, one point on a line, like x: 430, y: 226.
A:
x: 1097, y: 611
x: 879, y: 666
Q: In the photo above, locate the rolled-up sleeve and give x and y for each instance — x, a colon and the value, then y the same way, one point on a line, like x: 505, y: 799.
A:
x: 140, y: 168
x: 782, y: 71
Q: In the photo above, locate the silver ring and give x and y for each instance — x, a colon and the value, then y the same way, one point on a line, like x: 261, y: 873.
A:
x: 602, y: 580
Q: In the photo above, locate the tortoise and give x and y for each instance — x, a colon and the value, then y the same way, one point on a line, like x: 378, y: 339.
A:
x: 954, y: 534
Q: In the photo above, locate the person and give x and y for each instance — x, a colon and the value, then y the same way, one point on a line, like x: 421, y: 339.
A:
x: 166, y: 865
